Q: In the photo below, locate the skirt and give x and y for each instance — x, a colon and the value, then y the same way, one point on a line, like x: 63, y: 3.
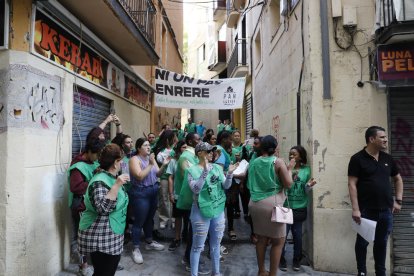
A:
x: 261, y: 212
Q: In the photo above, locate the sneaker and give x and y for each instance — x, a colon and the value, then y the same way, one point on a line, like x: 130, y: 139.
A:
x: 173, y: 225
x: 232, y: 235
x: 282, y: 264
x: 296, y: 265
x: 163, y: 224
x: 137, y: 256
x: 154, y: 246
x: 362, y: 274
x: 174, y: 245
x: 86, y: 271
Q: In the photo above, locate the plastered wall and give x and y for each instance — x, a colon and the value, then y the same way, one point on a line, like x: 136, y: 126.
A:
x: 331, y: 130
x: 36, y: 150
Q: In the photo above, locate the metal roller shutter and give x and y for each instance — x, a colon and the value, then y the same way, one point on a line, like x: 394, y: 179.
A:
x: 402, y: 149
x: 89, y: 110
x: 248, y: 106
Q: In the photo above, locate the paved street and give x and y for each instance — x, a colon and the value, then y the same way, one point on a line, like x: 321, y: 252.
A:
x: 241, y: 259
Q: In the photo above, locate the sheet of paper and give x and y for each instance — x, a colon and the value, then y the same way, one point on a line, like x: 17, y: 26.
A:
x: 366, y: 229
x: 242, y: 168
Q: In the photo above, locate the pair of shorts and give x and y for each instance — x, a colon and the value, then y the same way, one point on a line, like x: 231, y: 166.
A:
x: 180, y: 213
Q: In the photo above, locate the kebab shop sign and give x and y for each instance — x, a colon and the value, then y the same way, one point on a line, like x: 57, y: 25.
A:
x: 395, y: 63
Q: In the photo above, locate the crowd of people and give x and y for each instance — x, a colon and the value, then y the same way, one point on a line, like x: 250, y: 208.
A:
x: 184, y: 179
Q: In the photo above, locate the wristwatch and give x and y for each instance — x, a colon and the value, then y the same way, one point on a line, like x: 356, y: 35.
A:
x: 399, y: 201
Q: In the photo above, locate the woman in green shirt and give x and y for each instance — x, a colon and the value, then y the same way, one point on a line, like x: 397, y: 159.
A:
x: 298, y: 201
x: 268, y: 177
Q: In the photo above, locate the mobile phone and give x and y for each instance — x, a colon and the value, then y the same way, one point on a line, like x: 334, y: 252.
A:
x: 112, y: 111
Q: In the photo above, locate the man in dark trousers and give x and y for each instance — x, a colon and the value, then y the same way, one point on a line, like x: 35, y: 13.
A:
x: 370, y: 190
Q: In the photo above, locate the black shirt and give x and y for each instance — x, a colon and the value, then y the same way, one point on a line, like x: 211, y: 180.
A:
x: 373, y: 185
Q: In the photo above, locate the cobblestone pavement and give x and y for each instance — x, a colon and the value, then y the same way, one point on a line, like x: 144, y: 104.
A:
x: 241, y: 260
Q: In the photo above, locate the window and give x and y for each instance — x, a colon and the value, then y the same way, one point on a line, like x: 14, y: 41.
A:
x: 164, y: 45
x: 4, y: 27
x: 257, y: 50
x: 201, y: 53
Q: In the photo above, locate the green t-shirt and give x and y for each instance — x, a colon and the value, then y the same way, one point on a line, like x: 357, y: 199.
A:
x: 298, y: 198
x: 220, y: 127
x: 236, y: 151
x: 262, y: 180
x: 212, y: 198
x: 117, y: 218
x: 191, y: 128
x: 187, y: 159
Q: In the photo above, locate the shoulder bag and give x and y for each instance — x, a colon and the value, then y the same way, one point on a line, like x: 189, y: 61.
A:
x: 282, y: 214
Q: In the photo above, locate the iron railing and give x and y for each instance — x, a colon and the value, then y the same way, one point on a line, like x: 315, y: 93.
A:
x: 388, y: 10
x: 238, y: 56
x: 142, y: 12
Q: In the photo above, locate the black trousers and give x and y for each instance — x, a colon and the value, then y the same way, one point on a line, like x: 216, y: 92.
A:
x: 104, y: 264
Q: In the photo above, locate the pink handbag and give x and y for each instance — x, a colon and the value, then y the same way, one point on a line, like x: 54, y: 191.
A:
x: 282, y: 214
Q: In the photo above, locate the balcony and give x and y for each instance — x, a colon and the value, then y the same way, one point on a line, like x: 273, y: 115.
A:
x: 217, y: 59
x: 395, y: 21
x: 127, y: 26
x: 219, y: 10
x: 237, y: 64
x: 232, y: 15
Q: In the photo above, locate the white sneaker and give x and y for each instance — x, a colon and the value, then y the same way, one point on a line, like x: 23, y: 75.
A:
x: 87, y: 271
x: 154, y: 246
x: 163, y: 225
x: 137, y: 256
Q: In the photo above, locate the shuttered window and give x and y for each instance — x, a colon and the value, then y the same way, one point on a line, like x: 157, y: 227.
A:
x: 402, y: 150
x: 248, y: 107
x: 89, y: 110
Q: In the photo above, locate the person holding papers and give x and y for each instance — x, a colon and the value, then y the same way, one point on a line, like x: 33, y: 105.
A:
x: 370, y: 190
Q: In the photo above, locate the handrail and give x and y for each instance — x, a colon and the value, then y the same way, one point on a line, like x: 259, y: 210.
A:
x: 142, y: 13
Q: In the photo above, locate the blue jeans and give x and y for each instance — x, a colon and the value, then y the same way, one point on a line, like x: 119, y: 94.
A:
x: 296, y: 229
x: 383, y: 230
x: 144, y: 205
x: 201, y: 227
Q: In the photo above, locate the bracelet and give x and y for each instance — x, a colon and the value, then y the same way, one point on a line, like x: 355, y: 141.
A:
x: 117, y: 124
x: 399, y: 201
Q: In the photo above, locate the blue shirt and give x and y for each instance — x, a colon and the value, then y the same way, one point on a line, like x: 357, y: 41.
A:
x: 200, y: 130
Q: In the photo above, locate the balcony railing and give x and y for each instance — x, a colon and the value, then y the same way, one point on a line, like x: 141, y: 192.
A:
x: 238, y: 57
x: 394, y: 17
x: 142, y: 12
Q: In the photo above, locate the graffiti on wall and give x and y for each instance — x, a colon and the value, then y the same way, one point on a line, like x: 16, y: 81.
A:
x: 276, y: 131
x: 33, y: 99
x: 403, y: 146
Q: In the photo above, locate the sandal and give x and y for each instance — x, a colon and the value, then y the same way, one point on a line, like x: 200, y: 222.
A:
x: 223, y: 250
x: 232, y: 235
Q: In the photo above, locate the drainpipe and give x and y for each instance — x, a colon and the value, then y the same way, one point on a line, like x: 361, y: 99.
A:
x: 298, y: 100
x: 326, y: 67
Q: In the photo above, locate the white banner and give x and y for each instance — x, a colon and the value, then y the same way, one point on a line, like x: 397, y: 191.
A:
x: 179, y: 91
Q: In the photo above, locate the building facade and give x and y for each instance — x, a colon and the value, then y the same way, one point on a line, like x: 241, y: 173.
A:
x: 319, y: 73
x: 63, y: 71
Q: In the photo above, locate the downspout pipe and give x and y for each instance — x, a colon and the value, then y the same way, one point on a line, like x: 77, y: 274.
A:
x: 298, y: 94
x: 326, y: 63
